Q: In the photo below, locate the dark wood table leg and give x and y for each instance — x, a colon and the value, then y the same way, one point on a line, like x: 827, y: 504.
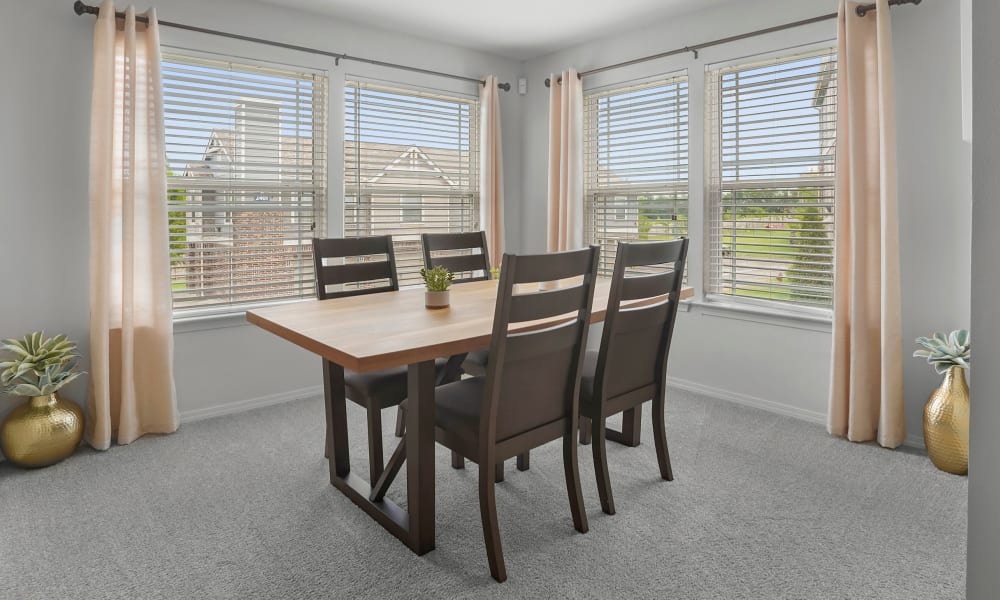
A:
x: 414, y: 527
x: 420, y: 456
x: 336, y: 420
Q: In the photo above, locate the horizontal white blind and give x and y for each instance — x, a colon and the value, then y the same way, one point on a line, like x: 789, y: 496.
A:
x: 246, y: 152
x: 411, y: 166
x: 636, y: 164
x: 771, y: 152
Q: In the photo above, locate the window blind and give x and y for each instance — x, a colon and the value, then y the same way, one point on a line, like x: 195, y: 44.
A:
x: 636, y: 164
x: 411, y: 166
x: 246, y: 163
x: 771, y: 133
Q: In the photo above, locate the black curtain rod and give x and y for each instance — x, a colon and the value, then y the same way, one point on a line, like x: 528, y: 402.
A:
x: 83, y: 9
x: 861, y: 11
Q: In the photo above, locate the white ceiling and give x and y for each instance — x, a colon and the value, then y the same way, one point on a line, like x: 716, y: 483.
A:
x: 518, y: 29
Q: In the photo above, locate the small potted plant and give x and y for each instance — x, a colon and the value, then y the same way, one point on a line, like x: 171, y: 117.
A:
x: 46, y: 429
x: 437, y: 280
x: 946, y: 414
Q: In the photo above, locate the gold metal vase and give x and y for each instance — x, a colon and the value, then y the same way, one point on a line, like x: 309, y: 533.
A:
x: 41, y: 432
x: 946, y: 424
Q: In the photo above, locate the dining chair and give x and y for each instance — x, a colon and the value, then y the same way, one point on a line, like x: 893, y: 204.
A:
x: 530, y: 393
x: 631, y: 366
x: 467, y: 257
x: 352, y: 267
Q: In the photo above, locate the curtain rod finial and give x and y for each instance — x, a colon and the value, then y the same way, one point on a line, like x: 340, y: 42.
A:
x: 80, y: 8
x: 504, y: 86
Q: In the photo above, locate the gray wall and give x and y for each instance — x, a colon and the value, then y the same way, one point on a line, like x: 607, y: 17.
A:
x: 984, y: 467
x: 44, y: 124
x: 775, y: 363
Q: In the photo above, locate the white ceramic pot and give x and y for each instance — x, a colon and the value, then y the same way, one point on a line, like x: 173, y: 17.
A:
x: 437, y: 299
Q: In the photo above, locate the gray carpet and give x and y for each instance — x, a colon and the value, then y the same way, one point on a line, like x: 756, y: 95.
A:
x: 239, y: 507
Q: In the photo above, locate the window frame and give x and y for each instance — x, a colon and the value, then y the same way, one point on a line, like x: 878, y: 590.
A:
x: 621, y: 204
x: 711, y: 197
x: 462, y: 206
x: 319, y: 116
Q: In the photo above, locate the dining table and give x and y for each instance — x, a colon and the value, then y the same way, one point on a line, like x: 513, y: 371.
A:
x: 391, y: 329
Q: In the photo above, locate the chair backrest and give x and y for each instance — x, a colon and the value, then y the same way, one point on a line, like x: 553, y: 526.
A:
x: 457, y: 253
x: 636, y: 339
x: 365, y: 265
x: 533, y: 375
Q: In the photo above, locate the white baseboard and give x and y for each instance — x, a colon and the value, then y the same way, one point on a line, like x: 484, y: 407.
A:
x: 913, y: 440
x: 198, y: 414
x: 748, y: 400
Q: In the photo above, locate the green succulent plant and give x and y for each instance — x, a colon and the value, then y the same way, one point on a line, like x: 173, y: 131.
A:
x: 944, y: 352
x: 38, y: 366
x: 495, y: 272
x: 437, y: 279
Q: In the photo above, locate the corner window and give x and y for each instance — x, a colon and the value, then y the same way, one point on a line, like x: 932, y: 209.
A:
x: 411, y: 166
x: 636, y: 164
x: 246, y: 163
x: 771, y: 127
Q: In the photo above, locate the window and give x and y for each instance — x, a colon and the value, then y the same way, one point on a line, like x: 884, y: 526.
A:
x: 410, y: 209
x: 636, y: 164
x: 769, y: 214
x: 246, y: 148
x: 411, y: 166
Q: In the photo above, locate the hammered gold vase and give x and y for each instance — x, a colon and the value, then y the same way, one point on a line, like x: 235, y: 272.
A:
x: 41, y: 432
x: 946, y: 424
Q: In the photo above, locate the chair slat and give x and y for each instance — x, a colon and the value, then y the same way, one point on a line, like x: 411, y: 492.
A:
x: 550, y: 267
x: 648, y: 286
x: 341, y: 247
x: 459, y: 264
x: 653, y: 253
x: 355, y: 272
x: 645, y: 317
x: 453, y: 241
x: 361, y: 291
x: 465, y: 263
x: 541, y: 305
x: 533, y: 344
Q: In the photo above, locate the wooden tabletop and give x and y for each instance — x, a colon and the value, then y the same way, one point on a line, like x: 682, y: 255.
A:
x: 378, y: 331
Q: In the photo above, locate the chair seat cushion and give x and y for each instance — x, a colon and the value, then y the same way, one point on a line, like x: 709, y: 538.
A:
x: 458, y: 406
x: 475, y: 363
x: 384, y: 388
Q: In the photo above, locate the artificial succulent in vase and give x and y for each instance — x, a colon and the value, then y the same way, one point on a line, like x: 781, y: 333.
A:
x: 944, y: 352
x: 39, y: 366
x: 437, y: 279
x: 46, y: 429
x: 946, y: 414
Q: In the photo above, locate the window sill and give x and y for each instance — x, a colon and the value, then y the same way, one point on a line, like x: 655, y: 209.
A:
x: 237, y: 317
x: 190, y: 324
x: 766, y: 315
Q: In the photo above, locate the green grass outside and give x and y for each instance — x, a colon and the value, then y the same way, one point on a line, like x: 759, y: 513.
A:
x: 764, y: 292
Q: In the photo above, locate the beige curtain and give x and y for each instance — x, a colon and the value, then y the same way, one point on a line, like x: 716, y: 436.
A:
x: 491, y: 169
x: 565, y: 163
x: 131, y: 333
x: 866, y: 397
